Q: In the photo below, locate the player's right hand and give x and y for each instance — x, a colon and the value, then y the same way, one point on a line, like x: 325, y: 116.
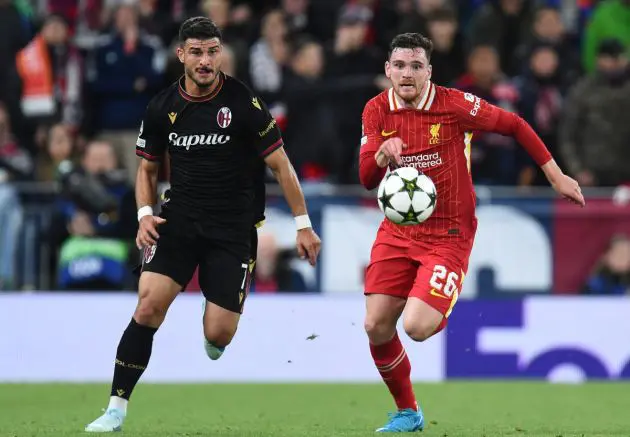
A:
x: 147, y: 231
x: 390, y: 152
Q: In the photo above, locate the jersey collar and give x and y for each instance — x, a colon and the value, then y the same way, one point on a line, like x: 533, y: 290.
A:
x: 212, y: 95
x: 425, y: 103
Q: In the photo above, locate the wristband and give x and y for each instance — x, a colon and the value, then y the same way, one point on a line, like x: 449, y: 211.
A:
x: 145, y: 210
x: 302, y: 222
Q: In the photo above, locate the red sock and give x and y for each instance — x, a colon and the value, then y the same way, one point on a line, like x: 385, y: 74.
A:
x: 393, y: 364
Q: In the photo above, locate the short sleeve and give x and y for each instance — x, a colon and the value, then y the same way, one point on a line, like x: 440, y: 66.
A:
x: 473, y: 113
x: 151, y: 143
x: 265, y: 131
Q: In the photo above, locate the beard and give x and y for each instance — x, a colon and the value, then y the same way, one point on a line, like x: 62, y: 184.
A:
x: 409, y: 93
x: 202, y: 83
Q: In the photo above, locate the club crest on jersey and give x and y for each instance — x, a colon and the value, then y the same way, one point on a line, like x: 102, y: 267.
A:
x: 224, y: 117
x: 434, y: 130
x: 149, y: 253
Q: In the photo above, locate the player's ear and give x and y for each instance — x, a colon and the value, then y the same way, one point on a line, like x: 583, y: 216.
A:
x: 388, y: 70
x: 179, y: 51
x: 430, y: 68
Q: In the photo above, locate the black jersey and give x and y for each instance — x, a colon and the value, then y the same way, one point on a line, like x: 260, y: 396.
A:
x: 216, y: 144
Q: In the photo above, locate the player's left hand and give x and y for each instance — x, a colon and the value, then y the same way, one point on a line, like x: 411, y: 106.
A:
x: 568, y: 188
x: 308, y: 245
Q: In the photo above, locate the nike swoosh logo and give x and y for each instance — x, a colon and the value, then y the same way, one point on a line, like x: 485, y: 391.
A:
x: 436, y: 294
x: 387, y: 134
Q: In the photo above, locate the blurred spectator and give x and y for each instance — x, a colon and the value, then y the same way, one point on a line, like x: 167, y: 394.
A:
x: 273, y: 271
x: 84, y: 17
x: 505, y: 24
x: 612, y: 273
x: 52, y: 77
x: 349, y: 60
x: 15, y: 163
x: 311, y: 139
x: 595, y: 130
x: 59, y: 148
x: 96, y: 222
x: 493, y: 156
x: 268, y: 56
x: 235, y: 23
x: 448, y: 58
x: 611, y: 19
x: 416, y: 19
x: 14, y: 36
x: 156, y: 22
x: 126, y: 73
x: 548, y: 29
x: 541, y: 91
x: 387, y: 19
x: 229, y: 64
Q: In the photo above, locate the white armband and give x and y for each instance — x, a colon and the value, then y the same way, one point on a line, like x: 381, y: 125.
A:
x: 302, y: 222
x: 145, y: 210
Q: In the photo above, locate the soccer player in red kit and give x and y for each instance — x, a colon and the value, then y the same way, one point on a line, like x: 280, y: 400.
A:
x: 419, y: 270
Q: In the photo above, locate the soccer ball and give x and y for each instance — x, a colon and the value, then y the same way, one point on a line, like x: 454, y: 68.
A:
x: 406, y: 196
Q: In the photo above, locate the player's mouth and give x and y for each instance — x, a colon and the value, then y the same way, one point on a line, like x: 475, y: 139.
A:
x: 204, y: 72
x: 407, y: 87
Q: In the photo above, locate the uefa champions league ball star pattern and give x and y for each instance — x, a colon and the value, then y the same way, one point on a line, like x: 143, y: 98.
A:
x: 406, y: 196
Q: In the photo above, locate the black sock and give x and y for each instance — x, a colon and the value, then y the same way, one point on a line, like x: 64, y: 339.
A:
x: 132, y: 357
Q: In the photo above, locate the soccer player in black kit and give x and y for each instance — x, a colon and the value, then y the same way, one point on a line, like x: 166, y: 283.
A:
x: 216, y: 133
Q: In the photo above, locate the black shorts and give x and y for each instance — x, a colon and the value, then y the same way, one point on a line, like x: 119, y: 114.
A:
x: 225, y: 268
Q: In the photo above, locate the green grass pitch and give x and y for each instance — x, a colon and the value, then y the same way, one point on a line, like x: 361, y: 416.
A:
x: 302, y: 410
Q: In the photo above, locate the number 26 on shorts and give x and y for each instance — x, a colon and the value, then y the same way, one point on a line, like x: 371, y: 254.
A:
x: 444, y: 281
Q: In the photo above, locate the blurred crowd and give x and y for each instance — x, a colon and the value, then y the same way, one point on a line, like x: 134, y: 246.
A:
x: 77, y: 75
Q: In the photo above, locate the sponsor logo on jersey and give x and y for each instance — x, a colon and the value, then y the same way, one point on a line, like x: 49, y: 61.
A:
x: 187, y: 141
x: 469, y: 97
x: 172, y: 116
x: 387, y: 134
x: 270, y: 126
x: 422, y: 161
x: 224, y: 117
x: 476, y: 107
x: 434, y: 131
x: 256, y: 103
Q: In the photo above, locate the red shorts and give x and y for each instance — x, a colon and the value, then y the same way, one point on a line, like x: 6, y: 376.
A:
x: 432, y: 272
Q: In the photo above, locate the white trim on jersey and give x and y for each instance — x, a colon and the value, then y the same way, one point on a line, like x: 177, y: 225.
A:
x: 425, y: 102
x: 431, y: 96
x: 390, y: 98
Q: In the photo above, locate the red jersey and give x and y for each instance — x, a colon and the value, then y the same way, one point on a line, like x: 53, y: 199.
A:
x: 438, y: 136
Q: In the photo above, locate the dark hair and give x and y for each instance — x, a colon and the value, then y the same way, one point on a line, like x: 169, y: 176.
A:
x: 411, y: 41
x: 198, y: 28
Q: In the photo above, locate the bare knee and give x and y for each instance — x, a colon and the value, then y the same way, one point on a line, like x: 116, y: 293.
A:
x: 149, y: 312
x: 381, y: 317
x: 420, y: 330
x: 155, y: 296
x: 219, y: 335
x: 379, y: 330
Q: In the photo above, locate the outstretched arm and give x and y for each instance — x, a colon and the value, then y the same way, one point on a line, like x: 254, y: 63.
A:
x: 477, y: 114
